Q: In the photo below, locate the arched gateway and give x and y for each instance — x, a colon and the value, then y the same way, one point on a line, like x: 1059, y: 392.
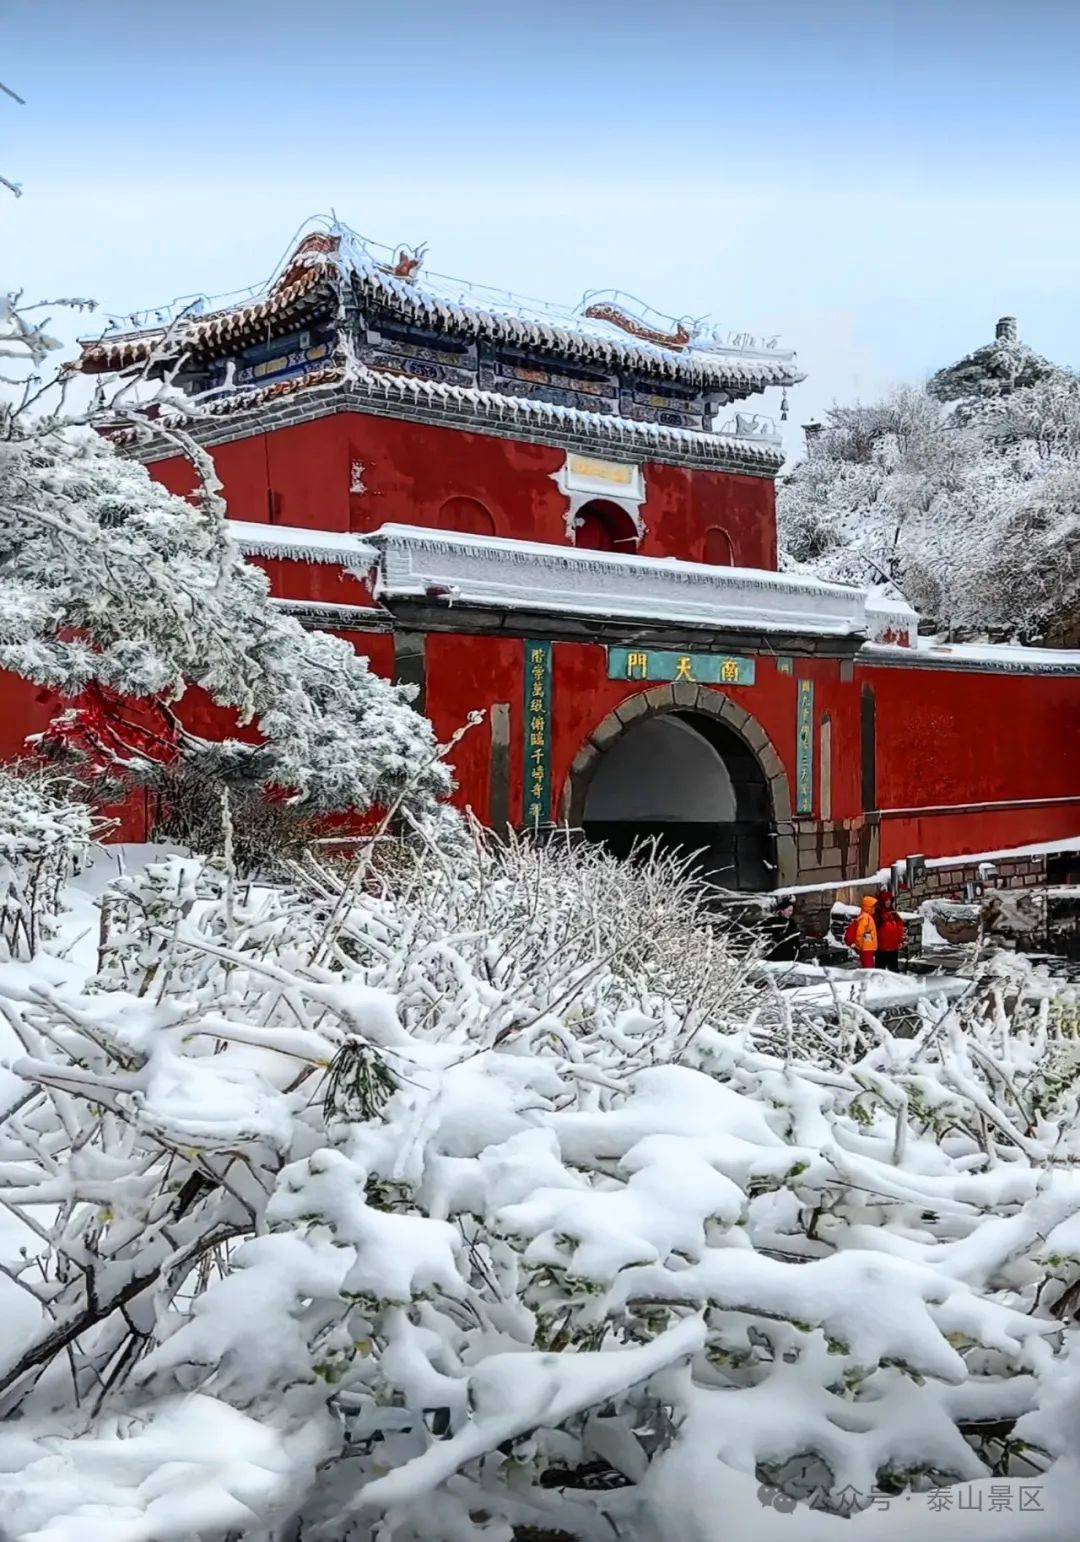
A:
x: 687, y: 765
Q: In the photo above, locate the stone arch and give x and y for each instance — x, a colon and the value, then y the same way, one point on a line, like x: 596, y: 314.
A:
x: 690, y: 701
x: 604, y: 525
x: 718, y: 549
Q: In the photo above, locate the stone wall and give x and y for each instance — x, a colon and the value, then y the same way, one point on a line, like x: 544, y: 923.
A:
x: 944, y: 880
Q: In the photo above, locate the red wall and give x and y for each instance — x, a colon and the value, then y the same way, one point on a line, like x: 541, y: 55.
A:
x: 322, y: 581
x: 947, y: 737
x: 25, y: 709
x: 469, y: 673
x: 950, y: 739
x: 302, y: 475
x: 945, y: 740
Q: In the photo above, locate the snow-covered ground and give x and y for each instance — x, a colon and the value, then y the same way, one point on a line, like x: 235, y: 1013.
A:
x: 511, y: 1200
x: 814, y: 988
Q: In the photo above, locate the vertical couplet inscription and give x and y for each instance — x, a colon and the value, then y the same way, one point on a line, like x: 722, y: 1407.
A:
x: 805, y: 752
x: 537, y: 733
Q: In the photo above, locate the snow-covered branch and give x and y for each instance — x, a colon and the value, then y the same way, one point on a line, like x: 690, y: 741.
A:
x: 466, y: 1191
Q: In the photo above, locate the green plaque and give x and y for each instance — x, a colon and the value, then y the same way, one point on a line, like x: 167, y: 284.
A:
x: 537, y: 733
x: 804, y: 760
x: 654, y: 664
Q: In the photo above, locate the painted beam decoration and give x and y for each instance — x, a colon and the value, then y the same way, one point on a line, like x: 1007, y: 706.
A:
x: 537, y: 733
x: 804, y: 760
x: 656, y: 664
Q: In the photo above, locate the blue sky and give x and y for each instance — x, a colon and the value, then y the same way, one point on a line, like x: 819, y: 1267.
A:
x: 877, y: 181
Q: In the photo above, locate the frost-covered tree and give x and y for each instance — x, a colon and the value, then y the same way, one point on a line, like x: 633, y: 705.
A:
x: 121, y: 597
x: 965, y: 495
x: 503, y: 1205
x: 113, y: 591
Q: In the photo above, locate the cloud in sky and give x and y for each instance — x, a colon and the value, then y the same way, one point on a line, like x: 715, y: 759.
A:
x: 877, y: 181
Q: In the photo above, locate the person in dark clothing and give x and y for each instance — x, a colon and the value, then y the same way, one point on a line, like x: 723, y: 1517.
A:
x: 890, y: 930
x: 782, y: 936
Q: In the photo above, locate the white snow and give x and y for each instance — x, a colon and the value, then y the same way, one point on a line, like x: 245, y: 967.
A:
x: 969, y: 508
x: 607, y: 426
x: 489, y: 570
x: 109, y: 581
x: 989, y: 656
x: 300, y: 544
x: 397, y: 1206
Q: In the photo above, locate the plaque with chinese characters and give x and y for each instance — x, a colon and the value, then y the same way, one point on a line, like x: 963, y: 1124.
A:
x: 662, y: 665
x: 804, y: 726
x: 537, y: 733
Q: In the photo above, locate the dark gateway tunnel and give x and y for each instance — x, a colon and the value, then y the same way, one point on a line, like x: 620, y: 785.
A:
x: 692, y: 783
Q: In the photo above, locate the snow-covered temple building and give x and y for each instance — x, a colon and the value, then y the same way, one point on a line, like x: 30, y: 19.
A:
x: 566, y: 518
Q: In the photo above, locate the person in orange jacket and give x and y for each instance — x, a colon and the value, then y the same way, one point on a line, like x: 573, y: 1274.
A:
x: 890, y: 932
x: 862, y: 934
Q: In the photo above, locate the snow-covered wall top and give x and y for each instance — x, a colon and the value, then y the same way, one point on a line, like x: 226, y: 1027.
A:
x: 891, y: 619
x: 988, y: 658
x: 412, y: 563
x: 522, y: 575
x: 298, y: 544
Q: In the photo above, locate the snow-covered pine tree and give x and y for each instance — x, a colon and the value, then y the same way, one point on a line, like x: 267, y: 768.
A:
x: 112, y: 590
x: 966, y: 495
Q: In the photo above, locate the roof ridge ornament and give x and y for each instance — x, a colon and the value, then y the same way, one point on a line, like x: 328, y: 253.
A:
x: 639, y: 320
x: 407, y: 262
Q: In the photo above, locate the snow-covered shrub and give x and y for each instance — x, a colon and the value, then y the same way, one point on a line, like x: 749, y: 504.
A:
x: 441, y: 1208
x: 113, y: 589
x: 44, y: 835
x: 205, y: 800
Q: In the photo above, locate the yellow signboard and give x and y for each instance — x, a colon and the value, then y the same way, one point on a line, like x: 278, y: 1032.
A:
x: 601, y: 470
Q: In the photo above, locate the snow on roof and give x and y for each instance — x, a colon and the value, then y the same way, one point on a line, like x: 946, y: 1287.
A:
x: 525, y: 575
x: 700, y: 354
x: 762, y: 449
x: 636, y: 336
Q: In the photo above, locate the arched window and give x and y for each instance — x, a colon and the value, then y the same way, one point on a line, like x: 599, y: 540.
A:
x: 603, y: 526
x: 467, y: 516
x: 718, y: 552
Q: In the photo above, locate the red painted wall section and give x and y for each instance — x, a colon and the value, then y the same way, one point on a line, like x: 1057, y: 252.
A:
x: 303, y: 476
x: 412, y: 470
x: 839, y: 702
x: 26, y: 709
x: 948, y: 739
x: 176, y: 474
x: 955, y: 835
x: 681, y: 506
x: 467, y: 674
x: 955, y: 738
x: 322, y: 581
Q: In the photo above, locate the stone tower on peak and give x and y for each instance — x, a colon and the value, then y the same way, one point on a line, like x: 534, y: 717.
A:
x: 995, y: 369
